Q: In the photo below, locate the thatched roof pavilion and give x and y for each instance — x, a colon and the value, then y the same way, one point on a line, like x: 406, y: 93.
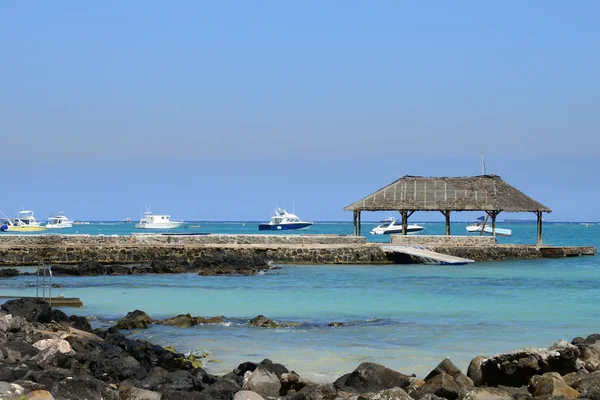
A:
x: 488, y: 193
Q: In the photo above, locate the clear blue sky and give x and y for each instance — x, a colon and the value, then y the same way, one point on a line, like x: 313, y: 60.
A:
x: 221, y: 110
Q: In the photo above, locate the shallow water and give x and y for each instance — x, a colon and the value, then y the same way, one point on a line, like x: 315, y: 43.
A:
x: 406, y: 317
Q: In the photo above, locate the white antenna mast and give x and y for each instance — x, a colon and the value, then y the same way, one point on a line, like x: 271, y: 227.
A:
x: 482, y: 164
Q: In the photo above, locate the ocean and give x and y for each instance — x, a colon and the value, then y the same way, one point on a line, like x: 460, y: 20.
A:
x: 407, y: 317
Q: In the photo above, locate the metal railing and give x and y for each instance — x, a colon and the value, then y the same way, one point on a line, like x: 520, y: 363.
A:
x: 45, y: 268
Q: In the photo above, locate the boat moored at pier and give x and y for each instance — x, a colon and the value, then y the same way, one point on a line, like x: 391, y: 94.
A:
x: 392, y: 225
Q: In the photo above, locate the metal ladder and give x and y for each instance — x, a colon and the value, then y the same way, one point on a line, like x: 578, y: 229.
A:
x: 45, y: 269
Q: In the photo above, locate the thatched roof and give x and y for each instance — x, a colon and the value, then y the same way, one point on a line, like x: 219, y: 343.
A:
x: 473, y: 193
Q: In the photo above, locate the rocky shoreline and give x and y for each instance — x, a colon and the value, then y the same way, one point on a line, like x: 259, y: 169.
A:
x: 45, y: 354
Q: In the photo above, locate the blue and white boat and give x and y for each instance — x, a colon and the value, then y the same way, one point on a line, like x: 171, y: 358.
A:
x: 283, y: 221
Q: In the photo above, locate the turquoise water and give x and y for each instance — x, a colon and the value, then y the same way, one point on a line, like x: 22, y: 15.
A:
x: 406, y: 317
x: 555, y: 233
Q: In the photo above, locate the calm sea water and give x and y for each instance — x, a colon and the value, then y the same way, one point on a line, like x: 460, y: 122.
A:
x: 406, y: 317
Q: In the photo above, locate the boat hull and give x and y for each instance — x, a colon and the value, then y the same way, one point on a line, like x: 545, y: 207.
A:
x: 59, y: 226
x: 409, y: 230
x: 166, y: 225
x: 27, y: 228
x: 488, y: 229
x: 284, y: 227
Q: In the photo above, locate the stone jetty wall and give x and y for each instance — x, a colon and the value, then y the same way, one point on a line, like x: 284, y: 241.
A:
x: 442, y: 241
x: 18, y: 250
x: 154, y: 239
x: 23, y: 250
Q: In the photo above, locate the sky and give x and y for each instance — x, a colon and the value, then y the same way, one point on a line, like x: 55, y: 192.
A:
x: 224, y: 110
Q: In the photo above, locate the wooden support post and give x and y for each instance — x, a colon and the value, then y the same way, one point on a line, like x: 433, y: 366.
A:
x: 354, y: 232
x: 539, y: 215
x: 493, y: 214
x: 359, y: 225
x: 446, y: 214
x: 404, y: 215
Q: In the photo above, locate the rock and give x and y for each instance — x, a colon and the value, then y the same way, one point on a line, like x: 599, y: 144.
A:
x: 83, y: 387
x: 515, y: 368
x: 247, y: 395
x: 589, y: 386
x: 139, y: 394
x: 263, y: 382
x: 550, y: 385
x: 180, y: 321
x: 30, y: 309
x: 80, y: 323
x: 211, y: 320
x: 488, y: 393
x: 40, y: 395
x: 50, y: 376
x: 592, y: 339
x: 263, y: 322
x: 8, y: 390
x: 316, y: 392
x: 387, y: 394
x: 114, y: 365
x: 52, y: 315
x: 442, y: 385
x: 61, y: 345
x: 448, y: 367
x: 574, y: 378
x: 291, y: 382
x: 413, y: 384
x: 277, y: 369
x: 135, y: 320
x: 223, y: 389
x: 167, y: 267
x: 519, y: 393
x: 371, y: 377
x: 335, y: 324
x: 225, y: 262
x: 187, y: 321
x: 175, y: 395
x: 474, y: 370
x: 8, y: 272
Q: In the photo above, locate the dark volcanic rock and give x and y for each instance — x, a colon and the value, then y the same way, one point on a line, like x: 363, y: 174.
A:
x: 474, y: 370
x: 223, y: 389
x: 187, y: 321
x: 371, y: 377
x: 448, y: 367
x: 277, y: 369
x: 30, y: 309
x: 83, y: 387
x: 135, y: 320
x: 168, y: 267
x: 52, y: 314
x: 80, y: 323
x: 316, y: 392
x: 442, y: 385
x: 226, y: 262
x: 8, y: 272
x: 113, y: 365
x: 263, y: 322
x: 515, y: 368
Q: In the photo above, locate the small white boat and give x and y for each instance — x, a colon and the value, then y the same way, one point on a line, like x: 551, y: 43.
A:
x: 284, y: 221
x: 480, y: 225
x: 59, y: 222
x: 151, y: 221
x: 392, y: 225
x: 127, y: 220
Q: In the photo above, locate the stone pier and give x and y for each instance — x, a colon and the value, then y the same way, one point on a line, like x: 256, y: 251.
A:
x: 23, y: 250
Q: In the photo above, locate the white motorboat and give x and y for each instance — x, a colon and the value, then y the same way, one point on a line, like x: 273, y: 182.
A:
x: 392, y: 225
x: 151, y: 221
x: 20, y: 225
x: 59, y: 222
x: 284, y: 221
x: 480, y: 225
x: 26, y: 218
